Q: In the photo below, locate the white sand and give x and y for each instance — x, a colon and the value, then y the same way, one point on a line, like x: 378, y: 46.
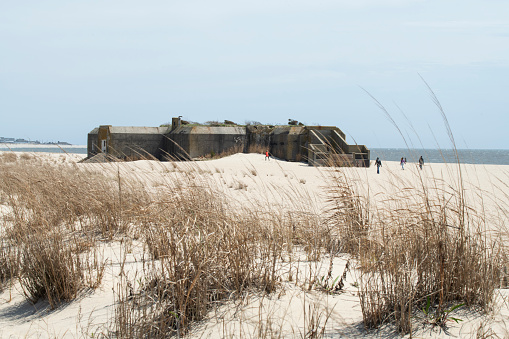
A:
x: 248, y: 178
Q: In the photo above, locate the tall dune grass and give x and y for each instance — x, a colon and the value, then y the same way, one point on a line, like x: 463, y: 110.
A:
x: 207, y: 250
x: 56, y: 213
x: 202, y: 248
x: 414, y: 246
x: 425, y: 242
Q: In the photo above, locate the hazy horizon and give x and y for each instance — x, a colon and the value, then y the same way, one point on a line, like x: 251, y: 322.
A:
x: 70, y: 67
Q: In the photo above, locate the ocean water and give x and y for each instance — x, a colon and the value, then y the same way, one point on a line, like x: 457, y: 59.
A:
x: 466, y: 156
x: 54, y: 149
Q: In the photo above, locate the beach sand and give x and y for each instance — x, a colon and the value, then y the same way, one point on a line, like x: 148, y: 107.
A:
x: 272, y: 186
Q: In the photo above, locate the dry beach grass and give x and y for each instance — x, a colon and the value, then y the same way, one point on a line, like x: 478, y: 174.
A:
x: 240, y: 247
x: 419, y: 248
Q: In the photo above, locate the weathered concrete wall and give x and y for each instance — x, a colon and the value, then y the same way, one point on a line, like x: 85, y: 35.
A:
x: 321, y: 133
x: 199, y: 141
x: 177, y: 143
x: 278, y: 142
x: 127, y: 142
x: 95, y: 138
x: 339, y: 143
x: 92, y: 142
x: 136, y: 146
x: 327, y: 143
x: 292, y: 143
x: 312, y: 144
x: 258, y: 137
x: 287, y: 142
x: 361, y: 155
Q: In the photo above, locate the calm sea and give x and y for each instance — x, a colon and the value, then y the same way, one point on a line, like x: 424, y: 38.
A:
x: 466, y: 156
x: 54, y: 149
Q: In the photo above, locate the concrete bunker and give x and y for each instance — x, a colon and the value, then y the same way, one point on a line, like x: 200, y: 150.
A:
x: 189, y: 142
x: 127, y: 143
x: 316, y: 145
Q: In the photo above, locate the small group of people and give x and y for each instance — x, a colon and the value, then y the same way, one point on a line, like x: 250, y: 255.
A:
x: 378, y: 163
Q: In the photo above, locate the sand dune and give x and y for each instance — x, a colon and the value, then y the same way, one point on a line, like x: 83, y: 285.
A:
x: 272, y: 186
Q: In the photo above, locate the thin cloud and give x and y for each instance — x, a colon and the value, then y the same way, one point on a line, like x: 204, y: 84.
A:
x: 466, y: 25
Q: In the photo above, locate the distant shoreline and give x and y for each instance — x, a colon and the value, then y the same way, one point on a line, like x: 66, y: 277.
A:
x: 16, y: 145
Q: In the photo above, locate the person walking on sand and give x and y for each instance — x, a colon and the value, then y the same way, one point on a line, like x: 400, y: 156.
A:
x: 378, y: 164
x: 267, y: 155
x: 402, y: 162
x: 421, y: 162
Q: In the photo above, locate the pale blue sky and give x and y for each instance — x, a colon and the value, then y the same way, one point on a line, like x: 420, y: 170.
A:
x: 69, y: 66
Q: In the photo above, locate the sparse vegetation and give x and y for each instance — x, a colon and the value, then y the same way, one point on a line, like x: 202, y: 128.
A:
x: 438, y: 317
x: 423, y: 245
x: 253, y: 123
x: 213, y: 251
x: 424, y: 248
x: 232, y: 150
x: 43, y: 238
x: 257, y: 148
x: 293, y: 122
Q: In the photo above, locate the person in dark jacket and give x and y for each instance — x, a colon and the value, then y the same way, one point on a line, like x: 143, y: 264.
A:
x: 378, y: 164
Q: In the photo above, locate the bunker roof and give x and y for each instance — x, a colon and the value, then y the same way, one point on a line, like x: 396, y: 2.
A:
x: 288, y: 129
x: 210, y: 130
x: 138, y: 130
